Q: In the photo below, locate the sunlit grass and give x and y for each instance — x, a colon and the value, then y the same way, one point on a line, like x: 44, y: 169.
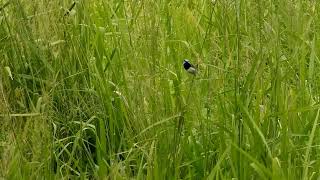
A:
x: 97, y: 90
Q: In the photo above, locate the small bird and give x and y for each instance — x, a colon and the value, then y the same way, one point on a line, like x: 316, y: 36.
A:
x: 189, y: 67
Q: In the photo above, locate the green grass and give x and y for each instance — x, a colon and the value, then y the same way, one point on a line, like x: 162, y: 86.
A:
x: 101, y: 93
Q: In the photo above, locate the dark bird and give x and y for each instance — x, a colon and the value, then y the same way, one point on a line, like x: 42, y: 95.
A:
x: 189, y: 67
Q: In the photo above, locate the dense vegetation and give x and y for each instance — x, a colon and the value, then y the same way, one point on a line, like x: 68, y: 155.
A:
x: 96, y: 89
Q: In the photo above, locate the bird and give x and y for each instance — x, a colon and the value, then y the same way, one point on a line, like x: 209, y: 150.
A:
x: 189, y: 67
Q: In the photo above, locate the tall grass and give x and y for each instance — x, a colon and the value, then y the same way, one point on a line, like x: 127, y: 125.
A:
x: 97, y: 89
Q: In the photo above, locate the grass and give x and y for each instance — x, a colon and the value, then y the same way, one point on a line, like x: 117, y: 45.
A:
x: 96, y: 89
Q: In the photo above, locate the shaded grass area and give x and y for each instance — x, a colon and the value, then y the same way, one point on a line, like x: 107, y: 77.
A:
x: 96, y: 89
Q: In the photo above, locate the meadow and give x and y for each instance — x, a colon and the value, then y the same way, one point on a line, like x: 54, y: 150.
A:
x: 95, y: 89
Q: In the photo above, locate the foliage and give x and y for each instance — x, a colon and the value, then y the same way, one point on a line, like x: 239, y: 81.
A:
x: 96, y: 89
